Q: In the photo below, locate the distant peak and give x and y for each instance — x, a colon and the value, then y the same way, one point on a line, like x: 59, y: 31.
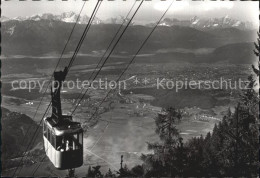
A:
x: 202, y: 23
x: 68, y: 17
x: 226, y: 17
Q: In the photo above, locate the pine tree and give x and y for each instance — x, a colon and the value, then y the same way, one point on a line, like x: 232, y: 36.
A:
x: 138, y: 171
x: 164, y: 160
x: 110, y: 174
x: 124, y: 172
x: 90, y: 172
x: 95, y: 172
x: 235, y: 139
x: 231, y: 150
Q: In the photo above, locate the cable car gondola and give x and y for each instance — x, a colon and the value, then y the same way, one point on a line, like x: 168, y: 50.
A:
x: 63, y: 138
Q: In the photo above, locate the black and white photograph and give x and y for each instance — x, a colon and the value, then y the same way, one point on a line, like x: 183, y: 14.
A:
x: 129, y: 88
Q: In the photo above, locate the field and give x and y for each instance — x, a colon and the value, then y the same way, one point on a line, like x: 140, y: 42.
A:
x: 126, y: 120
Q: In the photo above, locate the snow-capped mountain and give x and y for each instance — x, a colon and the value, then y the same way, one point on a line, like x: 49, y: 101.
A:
x: 114, y: 20
x: 68, y: 17
x: 117, y: 20
x: 4, y: 19
x: 196, y: 22
x: 19, y: 18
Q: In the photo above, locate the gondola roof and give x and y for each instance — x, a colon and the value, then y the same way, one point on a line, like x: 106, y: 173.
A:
x: 64, y: 126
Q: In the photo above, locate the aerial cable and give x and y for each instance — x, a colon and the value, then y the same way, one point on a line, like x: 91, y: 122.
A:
x: 48, y: 85
x: 87, y: 27
x: 94, y: 71
x: 55, y: 69
x: 109, y: 54
x: 107, y: 48
x: 132, y: 59
x: 131, y: 63
x: 84, y: 34
x: 28, y: 146
x: 90, y: 22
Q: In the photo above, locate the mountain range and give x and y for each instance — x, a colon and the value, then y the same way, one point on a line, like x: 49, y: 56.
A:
x: 39, y: 37
x: 195, y: 22
x: 210, y: 23
x: 68, y: 17
x: 46, y: 35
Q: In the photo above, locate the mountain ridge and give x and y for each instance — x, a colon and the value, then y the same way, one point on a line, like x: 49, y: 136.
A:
x: 68, y: 17
x: 210, y: 23
x: 195, y: 22
x: 40, y: 35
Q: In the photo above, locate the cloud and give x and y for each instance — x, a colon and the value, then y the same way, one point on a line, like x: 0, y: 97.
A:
x: 213, y: 5
x: 199, y: 6
x: 176, y: 6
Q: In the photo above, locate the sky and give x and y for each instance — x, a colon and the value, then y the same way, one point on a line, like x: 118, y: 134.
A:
x: 150, y: 11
